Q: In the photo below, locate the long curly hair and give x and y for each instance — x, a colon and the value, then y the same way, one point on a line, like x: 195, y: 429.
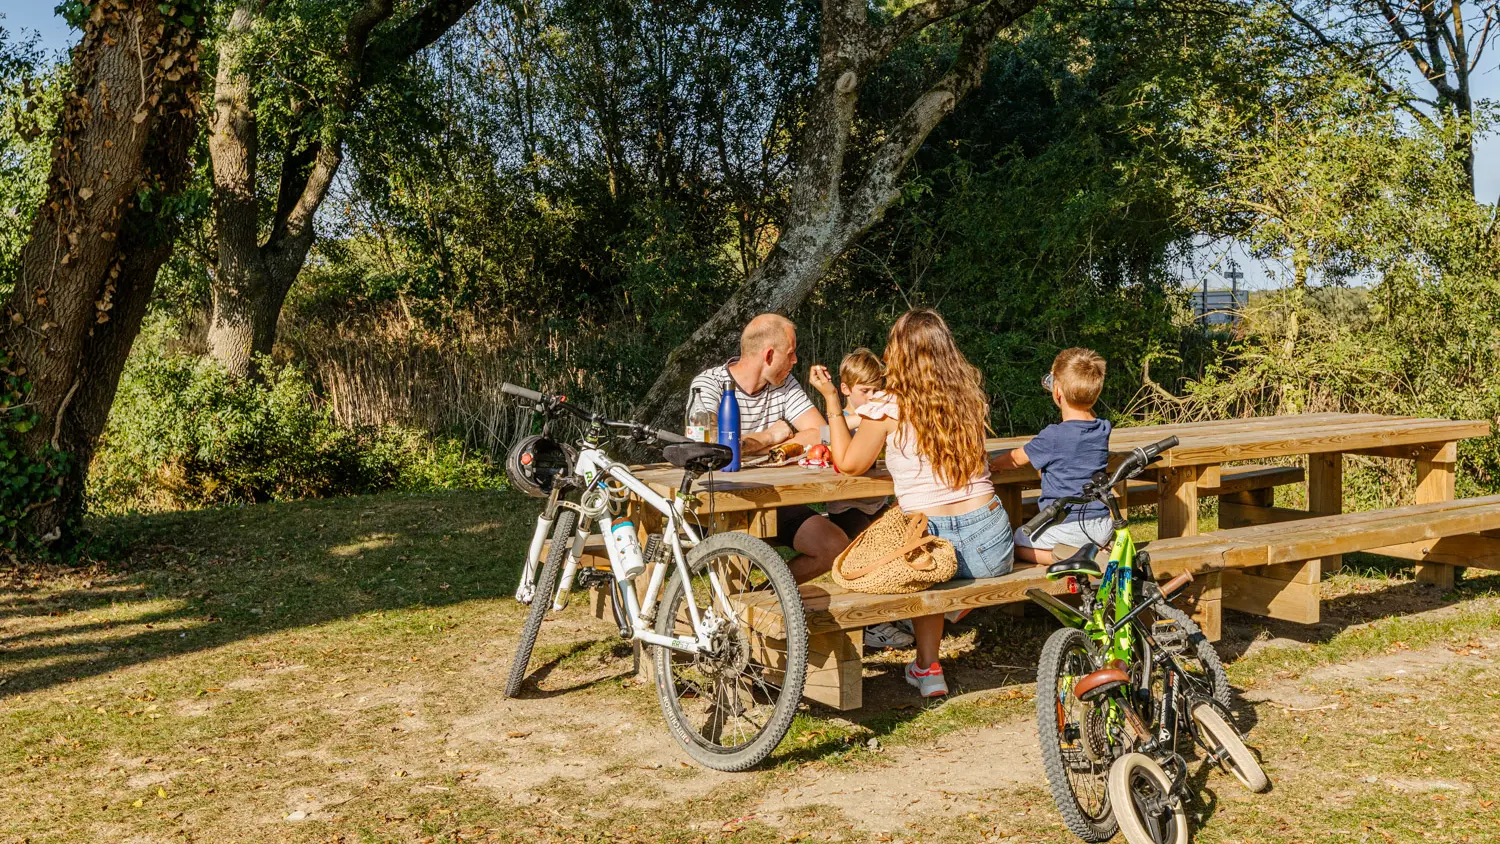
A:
x: 940, y: 394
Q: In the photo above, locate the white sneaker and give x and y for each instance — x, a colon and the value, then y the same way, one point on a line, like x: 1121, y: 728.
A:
x: 929, y: 681
x: 887, y: 635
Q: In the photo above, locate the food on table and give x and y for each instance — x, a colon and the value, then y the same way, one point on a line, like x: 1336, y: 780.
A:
x: 785, y: 451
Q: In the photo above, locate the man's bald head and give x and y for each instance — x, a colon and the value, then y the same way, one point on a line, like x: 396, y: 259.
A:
x: 767, y: 331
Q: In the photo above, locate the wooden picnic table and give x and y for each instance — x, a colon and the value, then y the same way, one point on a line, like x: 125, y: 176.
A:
x: 747, y: 500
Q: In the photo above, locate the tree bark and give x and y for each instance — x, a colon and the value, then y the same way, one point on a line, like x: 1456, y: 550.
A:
x: 93, y: 253
x: 828, y: 211
x: 255, y: 274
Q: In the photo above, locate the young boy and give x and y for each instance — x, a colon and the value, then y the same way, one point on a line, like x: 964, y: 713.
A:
x: 1067, y: 454
x: 862, y: 376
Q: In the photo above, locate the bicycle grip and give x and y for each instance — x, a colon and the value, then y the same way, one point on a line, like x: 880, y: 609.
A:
x: 1040, y: 521
x: 1155, y: 449
x: 1175, y: 585
x: 668, y: 436
x: 512, y: 390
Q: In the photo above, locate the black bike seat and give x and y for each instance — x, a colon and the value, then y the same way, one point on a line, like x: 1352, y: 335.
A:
x: 698, y: 457
x: 1080, y: 563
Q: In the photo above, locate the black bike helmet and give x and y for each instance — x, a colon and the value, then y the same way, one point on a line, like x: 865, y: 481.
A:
x: 536, y: 464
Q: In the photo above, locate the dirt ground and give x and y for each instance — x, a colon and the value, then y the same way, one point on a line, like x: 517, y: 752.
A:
x: 331, y: 672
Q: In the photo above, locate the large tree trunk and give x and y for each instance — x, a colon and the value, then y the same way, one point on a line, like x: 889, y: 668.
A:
x: 828, y: 211
x: 255, y: 274
x: 91, y: 260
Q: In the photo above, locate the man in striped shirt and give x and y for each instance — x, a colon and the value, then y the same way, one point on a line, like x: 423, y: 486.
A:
x: 774, y: 409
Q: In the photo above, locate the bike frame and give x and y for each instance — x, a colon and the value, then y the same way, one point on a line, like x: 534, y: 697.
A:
x: 593, y: 470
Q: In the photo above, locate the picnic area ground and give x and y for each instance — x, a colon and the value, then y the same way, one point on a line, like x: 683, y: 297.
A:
x: 330, y: 670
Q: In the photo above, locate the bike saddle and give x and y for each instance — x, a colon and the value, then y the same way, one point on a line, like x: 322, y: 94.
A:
x: 698, y: 457
x: 1091, y: 687
x: 1081, y: 563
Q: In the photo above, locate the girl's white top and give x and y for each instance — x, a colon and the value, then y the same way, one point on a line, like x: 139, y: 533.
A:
x: 917, y: 485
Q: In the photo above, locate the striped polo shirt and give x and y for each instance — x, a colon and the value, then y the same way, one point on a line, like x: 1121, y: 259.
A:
x: 758, y: 411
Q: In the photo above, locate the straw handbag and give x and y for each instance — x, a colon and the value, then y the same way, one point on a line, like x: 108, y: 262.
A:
x: 895, y: 555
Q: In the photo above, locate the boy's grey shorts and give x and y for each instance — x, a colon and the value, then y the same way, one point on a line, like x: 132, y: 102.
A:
x: 1099, y: 531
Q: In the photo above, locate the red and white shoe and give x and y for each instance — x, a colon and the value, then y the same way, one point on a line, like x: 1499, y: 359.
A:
x: 929, y: 681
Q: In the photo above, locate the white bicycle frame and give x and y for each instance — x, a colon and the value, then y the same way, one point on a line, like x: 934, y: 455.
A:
x: 594, y: 467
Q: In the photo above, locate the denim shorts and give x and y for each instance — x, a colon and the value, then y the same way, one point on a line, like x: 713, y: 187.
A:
x: 982, y: 539
x: 1099, y: 530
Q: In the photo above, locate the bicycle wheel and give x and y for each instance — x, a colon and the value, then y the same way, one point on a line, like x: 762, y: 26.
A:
x: 1199, y: 661
x: 541, y: 600
x: 729, y: 707
x: 1073, y: 736
x: 1219, y: 736
x: 1141, y: 793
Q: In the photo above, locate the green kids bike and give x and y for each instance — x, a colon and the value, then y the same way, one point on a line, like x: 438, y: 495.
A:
x: 1126, y: 679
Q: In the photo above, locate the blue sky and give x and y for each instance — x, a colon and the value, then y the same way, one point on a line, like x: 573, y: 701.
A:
x: 37, y: 15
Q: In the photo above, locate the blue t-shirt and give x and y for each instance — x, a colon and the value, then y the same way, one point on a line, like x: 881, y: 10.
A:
x: 1067, y: 455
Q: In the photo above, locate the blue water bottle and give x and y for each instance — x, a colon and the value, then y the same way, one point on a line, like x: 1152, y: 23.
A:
x: 729, y: 425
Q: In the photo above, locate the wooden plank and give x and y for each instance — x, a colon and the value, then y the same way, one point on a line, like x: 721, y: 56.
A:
x: 1277, y: 598
x: 1444, y: 454
x: 1435, y: 477
x: 1471, y: 550
x: 829, y: 607
x: 1325, y: 494
x: 1256, y: 445
x: 1325, y: 535
x: 1209, y: 476
x: 1177, y: 502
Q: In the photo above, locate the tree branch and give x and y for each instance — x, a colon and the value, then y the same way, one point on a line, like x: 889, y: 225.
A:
x: 879, y: 186
x: 915, y: 19
x: 395, y: 46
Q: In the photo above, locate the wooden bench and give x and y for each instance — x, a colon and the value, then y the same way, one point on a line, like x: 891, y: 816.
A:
x: 1461, y: 532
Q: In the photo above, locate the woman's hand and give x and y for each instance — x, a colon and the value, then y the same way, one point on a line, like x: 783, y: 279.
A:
x: 821, y: 381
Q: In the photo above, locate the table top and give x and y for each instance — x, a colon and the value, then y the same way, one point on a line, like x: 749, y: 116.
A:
x: 1200, y: 444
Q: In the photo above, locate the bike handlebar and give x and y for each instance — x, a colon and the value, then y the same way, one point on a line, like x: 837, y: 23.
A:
x: 513, y: 390
x: 556, y: 403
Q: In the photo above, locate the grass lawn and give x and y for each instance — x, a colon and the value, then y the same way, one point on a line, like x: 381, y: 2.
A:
x: 330, y: 670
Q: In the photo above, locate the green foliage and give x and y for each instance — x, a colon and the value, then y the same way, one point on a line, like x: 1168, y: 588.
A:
x: 29, y: 99
x: 28, y: 477
x: 182, y: 433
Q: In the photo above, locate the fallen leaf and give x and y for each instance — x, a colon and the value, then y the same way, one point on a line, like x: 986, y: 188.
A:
x: 161, y: 792
x: 519, y: 734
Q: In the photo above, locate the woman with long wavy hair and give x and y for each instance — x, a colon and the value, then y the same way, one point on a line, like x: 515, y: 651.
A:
x: 930, y: 421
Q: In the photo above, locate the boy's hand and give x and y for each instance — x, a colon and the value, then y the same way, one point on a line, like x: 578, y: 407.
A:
x: 821, y: 381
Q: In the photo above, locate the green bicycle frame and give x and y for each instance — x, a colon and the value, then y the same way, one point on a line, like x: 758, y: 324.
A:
x: 1119, y: 577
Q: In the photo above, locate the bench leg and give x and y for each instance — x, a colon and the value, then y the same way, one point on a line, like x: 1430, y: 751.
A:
x: 1435, y: 483
x: 1325, y: 494
x: 1287, y: 591
x: 835, y: 672
x: 1205, y: 604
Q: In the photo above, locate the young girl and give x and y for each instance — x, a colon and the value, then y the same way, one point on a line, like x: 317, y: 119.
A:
x: 861, y: 378
x: 931, y: 423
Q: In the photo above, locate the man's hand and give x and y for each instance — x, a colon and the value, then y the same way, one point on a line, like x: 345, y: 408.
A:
x: 761, y: 441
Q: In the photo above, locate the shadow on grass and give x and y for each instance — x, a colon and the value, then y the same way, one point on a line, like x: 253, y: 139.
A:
x: 234, y: 573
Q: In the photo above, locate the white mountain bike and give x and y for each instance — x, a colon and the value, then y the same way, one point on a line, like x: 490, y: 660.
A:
x: 728, y: 696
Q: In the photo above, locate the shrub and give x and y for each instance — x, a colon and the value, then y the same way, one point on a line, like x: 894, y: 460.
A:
x: 183, y: 433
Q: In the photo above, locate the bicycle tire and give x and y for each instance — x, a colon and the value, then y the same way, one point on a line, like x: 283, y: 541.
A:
x: 1122, y: 775
x: 1099, y: 826
x: 1202, y: 648
x: 792, y: 673
x: 541, y: 599
x: 1241, y: 762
